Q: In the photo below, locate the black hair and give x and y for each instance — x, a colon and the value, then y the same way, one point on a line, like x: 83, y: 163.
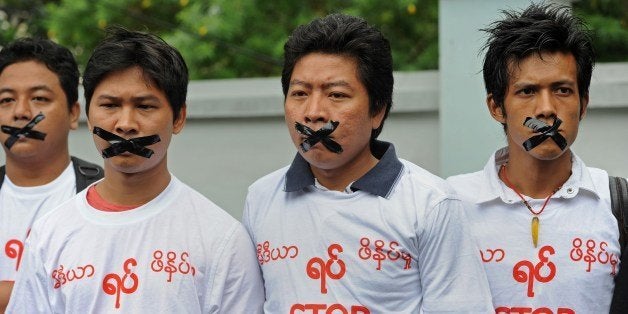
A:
x: 537, y: 29
x: 55, y: 57
x: 122, y: 49
x: 348, y: 36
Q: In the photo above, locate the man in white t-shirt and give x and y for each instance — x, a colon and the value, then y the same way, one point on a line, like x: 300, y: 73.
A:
x: 38, y: 108
x: 139, y: 241
x: 348, y: 227
x: 547, y: 236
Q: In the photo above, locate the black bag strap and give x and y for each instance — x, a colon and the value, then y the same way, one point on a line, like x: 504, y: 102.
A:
x: 2, y: 173
x: 86, y: 173
x: 619, y: 205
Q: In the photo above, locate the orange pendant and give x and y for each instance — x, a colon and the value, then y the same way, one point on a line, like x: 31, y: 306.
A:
x: 535, y: 231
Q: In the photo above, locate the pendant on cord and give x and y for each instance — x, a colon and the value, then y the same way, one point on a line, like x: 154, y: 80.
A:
x: 535, y: 231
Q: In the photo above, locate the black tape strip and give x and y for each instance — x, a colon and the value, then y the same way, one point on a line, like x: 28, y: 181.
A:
x: 321, y: 135
x: 120, y: 145
x: 546, y: 131
x: 26, y: 131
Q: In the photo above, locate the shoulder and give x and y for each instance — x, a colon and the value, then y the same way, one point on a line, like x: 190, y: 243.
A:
x: 269, y: 183
x: 202, y: 206
x: 60, y: 221
x: 467, y: 183
x: 419, y: 180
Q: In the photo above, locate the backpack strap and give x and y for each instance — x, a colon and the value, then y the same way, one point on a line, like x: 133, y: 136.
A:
x: 86, y: 173
x: 2, y: 173
x: 619, y: 204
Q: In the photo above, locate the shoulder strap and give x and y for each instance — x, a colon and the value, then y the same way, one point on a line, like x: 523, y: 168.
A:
x: 2, y: 173
x: 86, y: 173
x: 619, y: 204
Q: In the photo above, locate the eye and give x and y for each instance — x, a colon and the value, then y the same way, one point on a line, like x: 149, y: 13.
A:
x: 298, y: 93
x: 41, y: 99
x: 107, y: 105
x: 338, y: 95
x: 6, y: 100
x: 564, y: 91
x: 525, y: 91
x: 146, y: 106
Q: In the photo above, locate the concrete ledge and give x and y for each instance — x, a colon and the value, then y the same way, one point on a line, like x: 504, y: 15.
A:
x: 414, y: 92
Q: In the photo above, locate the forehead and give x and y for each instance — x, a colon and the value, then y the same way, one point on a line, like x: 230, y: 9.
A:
x: 29, y: 73
x: 545, y: 67
x: 319, y: 68
x: 128, y: 80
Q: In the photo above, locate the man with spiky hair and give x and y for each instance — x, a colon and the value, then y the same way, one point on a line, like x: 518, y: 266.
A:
x: 547, y: 235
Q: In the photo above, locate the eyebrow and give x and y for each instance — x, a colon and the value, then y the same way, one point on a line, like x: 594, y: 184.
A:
x: 31, y: 89
x: 134, y: 98
x: 557, y: 83
x: 325, y: 85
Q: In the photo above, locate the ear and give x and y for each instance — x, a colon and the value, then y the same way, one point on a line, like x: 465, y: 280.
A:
x: 496, y: 111
x: 180, y: 122
x: 377, y: 119
x: 584, y: 102
x: 75, y: 113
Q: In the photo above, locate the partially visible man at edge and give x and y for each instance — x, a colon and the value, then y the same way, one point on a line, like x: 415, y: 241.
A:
x: 547, y: 236
x: 38, y: 108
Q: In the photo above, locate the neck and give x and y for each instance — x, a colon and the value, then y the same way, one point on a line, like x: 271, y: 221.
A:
x: 537, y: 178
x: 133, y: 189
x: 35, y: 172
x: 339, y: 178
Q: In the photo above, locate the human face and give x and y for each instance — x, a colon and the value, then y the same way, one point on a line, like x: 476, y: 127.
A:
x: 26, y: 89
x: 326, y: 87
x: 128, y: 104
x: 542, y: 87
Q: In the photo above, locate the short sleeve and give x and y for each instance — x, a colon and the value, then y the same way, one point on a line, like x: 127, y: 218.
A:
x: 240, y: 285
x: 452, y: 276
x: 31, y: 291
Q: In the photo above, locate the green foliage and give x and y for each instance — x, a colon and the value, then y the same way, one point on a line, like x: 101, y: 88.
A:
x: 608, y: 20
x: 20, y: 18
x: 244, y: 38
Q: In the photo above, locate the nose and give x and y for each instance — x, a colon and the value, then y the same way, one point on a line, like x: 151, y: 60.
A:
x: 315, y: 109
x: 126, y: 123
x: 22, y: 110
x: 545, y: 106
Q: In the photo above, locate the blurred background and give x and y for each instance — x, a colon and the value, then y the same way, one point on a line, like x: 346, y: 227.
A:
x: 235, y: 131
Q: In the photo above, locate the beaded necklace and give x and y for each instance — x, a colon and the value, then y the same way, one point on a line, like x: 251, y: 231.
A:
x: 535, y: 219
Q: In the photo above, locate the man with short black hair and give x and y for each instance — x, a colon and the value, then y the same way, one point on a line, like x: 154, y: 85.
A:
x: 38, y: 108
x: 140, y: 240
x: 349, y: 227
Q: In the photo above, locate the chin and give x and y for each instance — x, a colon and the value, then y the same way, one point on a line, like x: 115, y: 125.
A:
x: 543, y: 153
x: 320, y: 159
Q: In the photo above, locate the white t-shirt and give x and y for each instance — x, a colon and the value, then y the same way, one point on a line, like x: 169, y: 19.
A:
x: 398, y: 250
x: 20, y: 207
x: 572, y: 269
x: 178, y: 253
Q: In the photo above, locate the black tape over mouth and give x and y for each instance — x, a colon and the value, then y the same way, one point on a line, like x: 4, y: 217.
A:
x: 320, y: 135
x: 26, y: 131
x: 120, y: 145
x: 546, y: 131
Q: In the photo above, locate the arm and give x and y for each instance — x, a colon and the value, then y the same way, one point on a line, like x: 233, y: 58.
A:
x: 5, y: 293
x: 30, y: 293
x: 452, y: 275
x: 242, y: 287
